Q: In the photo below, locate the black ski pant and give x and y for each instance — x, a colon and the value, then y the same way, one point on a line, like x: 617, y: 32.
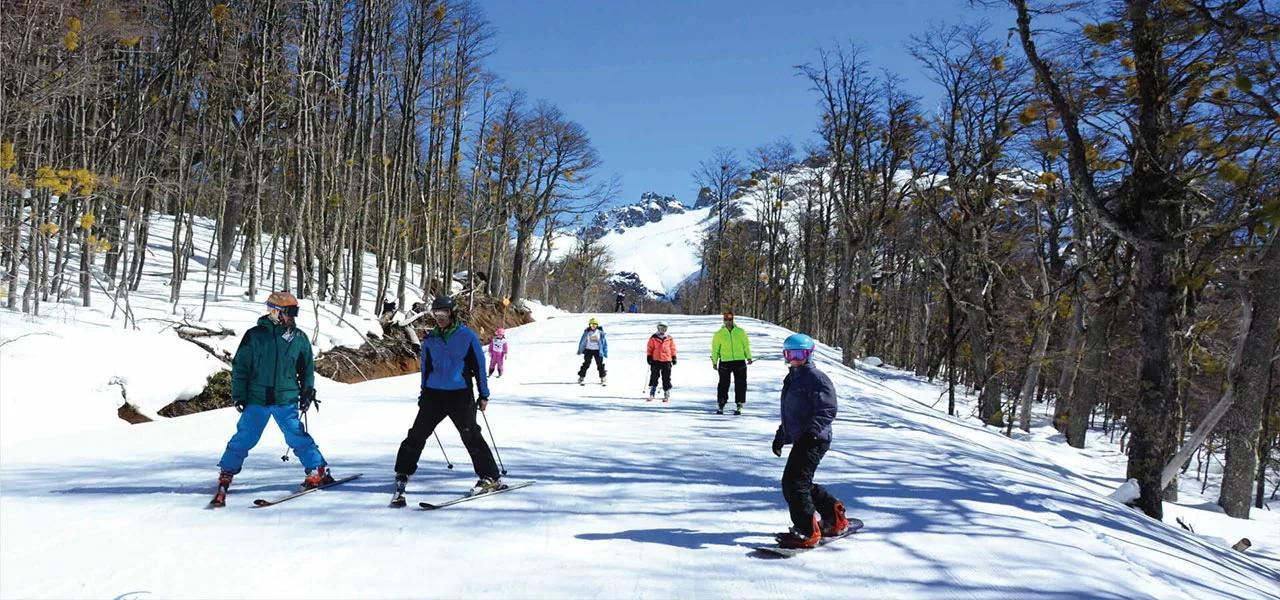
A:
x: 802, y: 494
x: 433, y: 407
x: 660, y: 368
x: 619, y: 307
x: 738, y: 368
x: 587, y: 355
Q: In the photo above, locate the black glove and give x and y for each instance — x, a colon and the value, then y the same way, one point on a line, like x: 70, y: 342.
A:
x: 673, y: 361
x: 777, y: 444
x: 240, y: 404
x: 482, y: 402
x: 306, y: 398
x: 649, y: 359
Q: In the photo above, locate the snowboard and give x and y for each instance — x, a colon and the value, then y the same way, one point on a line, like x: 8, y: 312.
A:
x: 778, y: 551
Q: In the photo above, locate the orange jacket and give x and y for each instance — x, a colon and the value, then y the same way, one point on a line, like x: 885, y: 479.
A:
x: 661, y: 349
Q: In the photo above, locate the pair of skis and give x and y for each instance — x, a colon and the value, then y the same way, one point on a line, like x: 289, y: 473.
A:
x: 220, y: 497
x: 398, y: 499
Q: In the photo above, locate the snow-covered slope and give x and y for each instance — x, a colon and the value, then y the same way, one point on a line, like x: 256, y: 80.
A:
x: 634, y: 499
x: 81, y: 362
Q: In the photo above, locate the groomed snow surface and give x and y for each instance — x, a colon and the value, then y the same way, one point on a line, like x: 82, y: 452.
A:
x: 633, y: 500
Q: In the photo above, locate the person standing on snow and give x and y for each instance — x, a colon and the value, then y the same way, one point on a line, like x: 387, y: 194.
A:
x: 661, y: 354
x: 451, y: 357
x: 273, y: 376
x: 808, y: 408
x: 730, y: 355
x: 498, y: 348
x: 593, y: 345
x: 619, y: 302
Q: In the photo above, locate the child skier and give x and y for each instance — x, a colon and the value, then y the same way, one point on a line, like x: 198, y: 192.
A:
x: 273, y: 376
x: 593, y: 345
x: 661, y: 354
x: 808, y: 408
x: 498, y: 348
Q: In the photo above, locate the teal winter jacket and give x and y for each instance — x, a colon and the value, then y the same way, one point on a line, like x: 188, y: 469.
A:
x: 273, y: 365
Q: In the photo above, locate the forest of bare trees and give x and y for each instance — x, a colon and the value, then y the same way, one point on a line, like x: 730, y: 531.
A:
x: 331, y: 128
x: 1088, y: 216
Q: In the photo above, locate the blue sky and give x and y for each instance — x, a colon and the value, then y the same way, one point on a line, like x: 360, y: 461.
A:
x: 660, y: 84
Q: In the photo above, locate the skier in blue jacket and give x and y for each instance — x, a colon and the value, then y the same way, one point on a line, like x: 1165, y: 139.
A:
x: 593, y: 345
x: 451, y: 357
x: 808, y: 408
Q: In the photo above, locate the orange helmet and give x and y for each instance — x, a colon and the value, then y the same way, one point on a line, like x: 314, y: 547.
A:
x: 283, y: 302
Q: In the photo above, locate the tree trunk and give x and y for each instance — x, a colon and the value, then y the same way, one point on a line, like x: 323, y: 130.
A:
x: 1250, y: 380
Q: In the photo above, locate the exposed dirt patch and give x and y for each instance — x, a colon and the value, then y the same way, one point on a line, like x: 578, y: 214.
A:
x: 216, y: 394
x: 396, y: 351
x: 130, y: 413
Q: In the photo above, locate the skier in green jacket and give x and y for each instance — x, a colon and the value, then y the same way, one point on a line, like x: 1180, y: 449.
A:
x: 273, y: 376
x: 730, y: 355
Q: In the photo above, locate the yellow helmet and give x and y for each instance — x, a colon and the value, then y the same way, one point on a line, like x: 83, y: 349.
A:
x: 593, y: 322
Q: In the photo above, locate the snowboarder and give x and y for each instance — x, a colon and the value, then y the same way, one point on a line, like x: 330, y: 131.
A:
x: 273, y: 376
x: 730, y: 355
x: 593, y: 345
x: 661, y: 354
x: 451, y: 357
x: 498, y: 348
x: 619, y: 302
x: 808, y: 408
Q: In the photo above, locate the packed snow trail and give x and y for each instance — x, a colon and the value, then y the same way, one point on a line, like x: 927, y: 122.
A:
x: 634, y: 499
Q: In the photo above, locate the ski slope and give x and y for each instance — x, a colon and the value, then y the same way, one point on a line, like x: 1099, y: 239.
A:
x: 634, y: 499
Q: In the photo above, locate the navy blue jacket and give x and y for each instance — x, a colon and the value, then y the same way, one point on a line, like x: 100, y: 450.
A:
x: 449, y: 358
x: 808, y: 404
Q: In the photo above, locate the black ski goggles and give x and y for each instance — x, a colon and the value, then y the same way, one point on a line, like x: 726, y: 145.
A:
x: 288, y: 311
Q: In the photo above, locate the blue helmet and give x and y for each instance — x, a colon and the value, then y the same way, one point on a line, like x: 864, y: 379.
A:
x: 798, y: 341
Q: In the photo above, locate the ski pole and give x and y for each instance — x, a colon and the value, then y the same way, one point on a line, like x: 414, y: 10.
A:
x: 495, y: 443
x: 446, y: 455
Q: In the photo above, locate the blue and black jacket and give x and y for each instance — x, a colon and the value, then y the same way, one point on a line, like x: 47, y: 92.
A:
x: 450, y: 359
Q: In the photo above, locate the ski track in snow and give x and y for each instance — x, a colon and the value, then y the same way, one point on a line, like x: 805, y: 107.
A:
x: 634, y: 499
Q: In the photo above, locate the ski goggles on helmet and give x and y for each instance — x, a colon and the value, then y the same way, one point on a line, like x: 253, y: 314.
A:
x: 799, y: 354
x: 288, y: 311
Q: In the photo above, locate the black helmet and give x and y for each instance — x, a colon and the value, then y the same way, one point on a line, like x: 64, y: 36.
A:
x: 444, y: 303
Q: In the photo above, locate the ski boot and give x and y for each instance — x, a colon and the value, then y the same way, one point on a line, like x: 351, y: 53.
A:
x: 397, y: 497
x: 224, y: 485
x: 666, y: 395
x: 317, y: 477
x: 720, y: 409
x: 604, y: 380
x: 581, y: 380
x: 839, y: 525
x: 737, y: 410
x: 797, y: 539
x: 486, y: 485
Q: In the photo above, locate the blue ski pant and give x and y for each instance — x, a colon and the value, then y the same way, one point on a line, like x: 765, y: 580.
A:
x: 249, y: 430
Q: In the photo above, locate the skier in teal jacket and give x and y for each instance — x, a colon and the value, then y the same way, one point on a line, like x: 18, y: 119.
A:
x: 273, y: 376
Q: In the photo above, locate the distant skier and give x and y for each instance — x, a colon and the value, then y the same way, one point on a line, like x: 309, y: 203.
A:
x: 593, y: 345
x: 730, y: 355
x: 451, y: 357
x: 661, y: 354
x: 808, y: 408
x: 619, y: 302
x: 498, y: 348
x: 273, y: 376
x: 633, y: 309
